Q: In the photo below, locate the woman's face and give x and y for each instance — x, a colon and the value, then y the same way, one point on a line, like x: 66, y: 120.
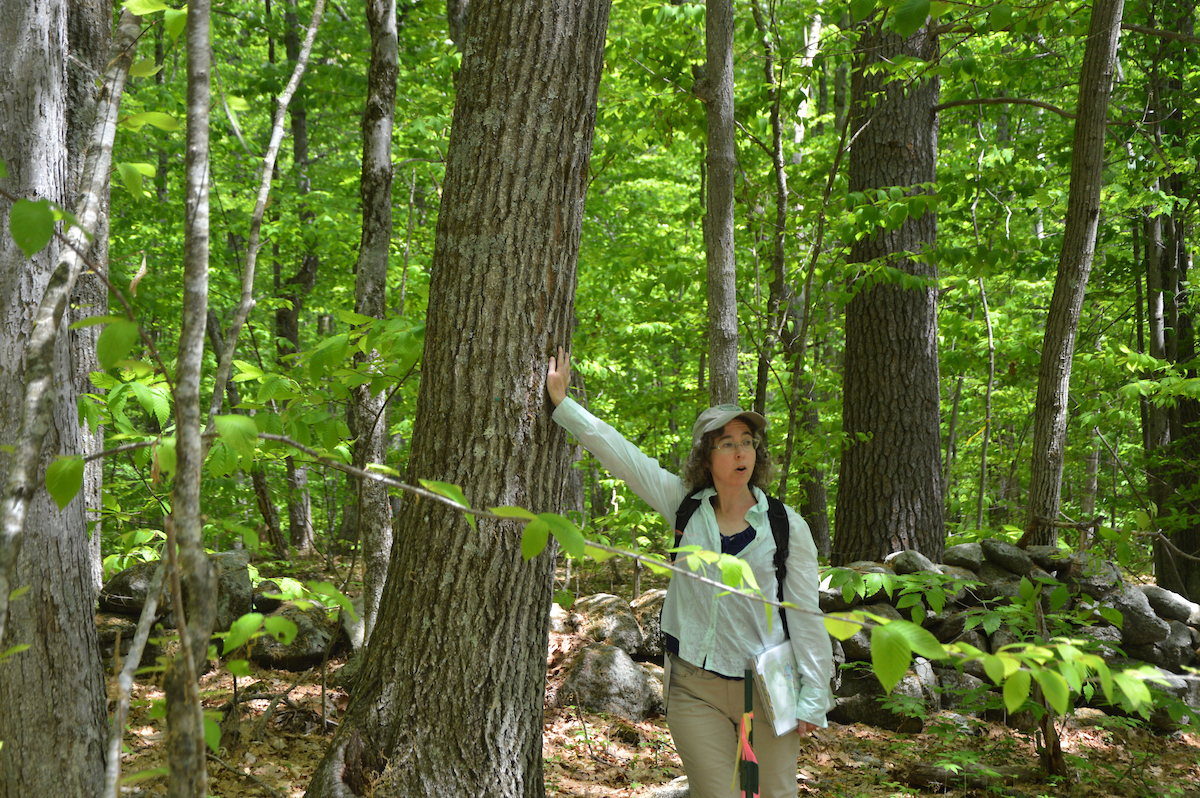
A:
x: 732, y: 457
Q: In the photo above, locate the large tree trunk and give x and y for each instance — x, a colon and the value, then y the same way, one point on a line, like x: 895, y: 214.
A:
x: 1074, y: 266
x: 368, y: 415
x: 890, y: 484
x: 718, y: 221
x: 52, y: 719
x: 450, y: 696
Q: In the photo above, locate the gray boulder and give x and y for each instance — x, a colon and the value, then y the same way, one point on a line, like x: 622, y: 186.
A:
x: 964, y: 555
x: 1171, y: 606
x: 958, y: 689
x: 315, y: 631
x: 999, y: 583
x: 1173, y: 653
x: 964, y: 580
x: 125, y: 591
x: 1141, y: 624
x: 1106, y: 638
x: 608, y: 619
x: 235, y: 594
x: 603, y: 678
x: 563, y: 621
x: 111, y: 627
x: 264, y: 597
x: 911, y: 562
x: 1090, y: 574
x: 1048, y: 558
x: 1007, y: 556
x: 647, y: 608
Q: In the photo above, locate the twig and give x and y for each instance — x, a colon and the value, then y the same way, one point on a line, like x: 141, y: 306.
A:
x: 261, y: 726
x: 112, y: 771
x: 243, y: 774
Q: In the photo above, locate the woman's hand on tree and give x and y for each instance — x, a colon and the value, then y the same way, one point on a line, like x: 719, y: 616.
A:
x: 558, y: 377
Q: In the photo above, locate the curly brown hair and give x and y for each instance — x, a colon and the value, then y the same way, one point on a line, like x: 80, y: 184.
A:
x: 697, y: 472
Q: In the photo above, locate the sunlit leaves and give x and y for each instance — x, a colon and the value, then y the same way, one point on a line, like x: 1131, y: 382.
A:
x: 64, y: 479
x: 31, y: 224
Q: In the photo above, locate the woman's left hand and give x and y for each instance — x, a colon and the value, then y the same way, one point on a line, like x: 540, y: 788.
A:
x: 558, y: 377
x: 805, y: 727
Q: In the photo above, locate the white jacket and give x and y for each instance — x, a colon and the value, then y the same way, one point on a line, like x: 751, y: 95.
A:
x: 720, y: 633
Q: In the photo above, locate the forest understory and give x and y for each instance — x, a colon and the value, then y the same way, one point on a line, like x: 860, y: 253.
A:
x: 597, y: 756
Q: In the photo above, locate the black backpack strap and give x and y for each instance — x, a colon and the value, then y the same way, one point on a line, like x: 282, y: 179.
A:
x: 781, y: 531
x: 684, y: 514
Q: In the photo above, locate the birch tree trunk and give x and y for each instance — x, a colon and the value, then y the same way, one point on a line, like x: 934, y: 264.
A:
x: 368, y: 412
x: 1074, y: 266
x: 450, y: 696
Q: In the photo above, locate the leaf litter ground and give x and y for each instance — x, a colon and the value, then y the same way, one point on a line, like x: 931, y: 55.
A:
x: 597, y: 756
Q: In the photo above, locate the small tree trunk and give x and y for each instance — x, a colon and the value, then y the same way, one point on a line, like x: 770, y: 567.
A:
x: 369, y: 414
x: 1074, y: 267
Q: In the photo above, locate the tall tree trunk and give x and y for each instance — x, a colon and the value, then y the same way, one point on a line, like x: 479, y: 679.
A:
x: 368, y: 411
x: 776, y: 304
x: 52, y: 693
x: 890, y: 484
x: 185, y: 718
x: 464, y: 716
x: 1074, y: 266
x: 721, y: 160
x: 287, y: 320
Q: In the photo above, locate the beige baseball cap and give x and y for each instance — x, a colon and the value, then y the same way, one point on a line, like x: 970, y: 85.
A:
x: 718, y: 416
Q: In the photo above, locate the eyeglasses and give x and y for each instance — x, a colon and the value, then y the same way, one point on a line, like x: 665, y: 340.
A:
x: 729, y: 447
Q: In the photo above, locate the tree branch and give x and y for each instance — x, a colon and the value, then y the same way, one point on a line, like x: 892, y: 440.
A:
x: 1004, y: 101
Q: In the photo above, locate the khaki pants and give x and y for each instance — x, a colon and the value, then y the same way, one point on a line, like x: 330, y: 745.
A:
x: 704, y: 712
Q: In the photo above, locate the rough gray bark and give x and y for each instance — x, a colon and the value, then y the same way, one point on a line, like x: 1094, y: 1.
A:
x: 368, y: 413
x: 52, y: 693
x: 464, y: 716
x: 188, y: 776
x: 890, y: 483
x: 456, y: 20
x: 1074, y: 267
x: 721, y: 156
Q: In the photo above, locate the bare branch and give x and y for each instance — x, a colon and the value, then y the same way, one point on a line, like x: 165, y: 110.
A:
x: 1004, y: 101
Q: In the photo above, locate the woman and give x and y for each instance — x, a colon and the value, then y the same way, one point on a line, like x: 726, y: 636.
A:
x: 709, y: 637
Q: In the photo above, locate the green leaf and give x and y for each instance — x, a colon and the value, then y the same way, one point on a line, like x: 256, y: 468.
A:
x: 12, y: 652
x: 1016, y: 690
x: 154, y: 119
x: 18, y: 592
x: 890, y: 654
x: 453, y: 493
x: 144, y: 68
x: 64, y: 479
x: 280, y: 628
x: 328, y: 355
x: 238, y: 667
x: 513, y: 512
x: 3, y: 169
x: 534, y: 538
x: 222, y: 460
x: 241, y: 631
x: 143, y: 775
x: 861, y: 9
x: 153, y: 401
x: 1055, y: 689
x: 567, y: 534
x: 910, y: 16
x: 238, y: 432
x: 919, y: 640
x: 328, y: 590
x: 115, y: 341
x: 144, y: 7
x: 31, y: 224
x: 844, y: 625
x: 212, y: 733
x: 175, y: 21
x: 164, y: 450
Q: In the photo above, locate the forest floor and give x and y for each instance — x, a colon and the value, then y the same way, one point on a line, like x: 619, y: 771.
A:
x: 595, y: 756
